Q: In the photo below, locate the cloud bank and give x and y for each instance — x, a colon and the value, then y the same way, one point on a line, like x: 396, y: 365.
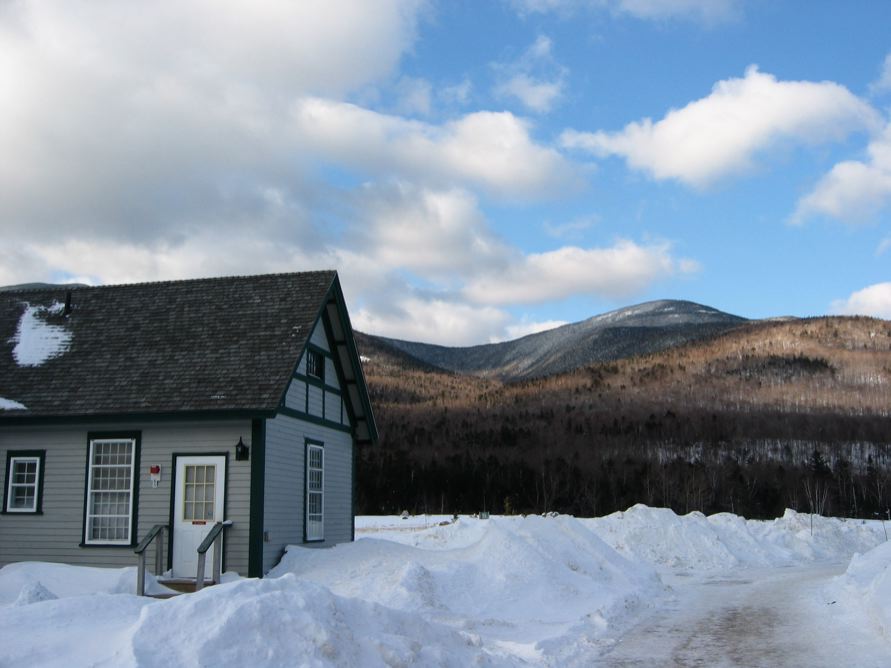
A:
x: 199, y: 138
x: 874, y: 300
x: 721, y: 134
x: 853, y: 190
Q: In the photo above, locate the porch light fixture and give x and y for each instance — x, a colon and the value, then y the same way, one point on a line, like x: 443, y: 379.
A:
x: 242, y: 452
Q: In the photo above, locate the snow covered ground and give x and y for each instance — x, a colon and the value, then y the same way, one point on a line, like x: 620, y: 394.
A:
x: 631, y: 588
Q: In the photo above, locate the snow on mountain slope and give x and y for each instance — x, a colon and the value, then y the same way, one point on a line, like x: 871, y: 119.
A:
x: 634, y: 330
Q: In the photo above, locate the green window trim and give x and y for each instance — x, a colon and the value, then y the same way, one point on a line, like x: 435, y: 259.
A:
x: 25, y: 459
x: 93, y: 438
x: 314, y: 491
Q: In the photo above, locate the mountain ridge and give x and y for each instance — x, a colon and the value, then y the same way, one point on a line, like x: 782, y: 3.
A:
x: 634, y: 330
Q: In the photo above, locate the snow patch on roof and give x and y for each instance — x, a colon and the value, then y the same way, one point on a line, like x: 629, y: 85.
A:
x: 37, y: 340
x: 10, y: 405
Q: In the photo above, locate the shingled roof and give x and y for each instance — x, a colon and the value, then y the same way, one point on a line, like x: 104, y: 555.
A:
x: 216, y: 345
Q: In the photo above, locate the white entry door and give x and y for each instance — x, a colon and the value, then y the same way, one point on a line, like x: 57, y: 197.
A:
x: 198, y: 505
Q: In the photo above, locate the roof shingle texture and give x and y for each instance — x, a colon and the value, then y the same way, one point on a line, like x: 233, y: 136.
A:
x: 216, y: 344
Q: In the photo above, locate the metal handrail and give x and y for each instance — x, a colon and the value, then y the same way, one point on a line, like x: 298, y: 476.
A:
x: 214, y: 537
x: 157, y: 530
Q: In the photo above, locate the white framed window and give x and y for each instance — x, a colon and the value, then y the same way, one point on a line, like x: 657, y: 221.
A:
x: 24, y: 480
x: 315, y: 364
x: 315, y: 492
x: 110, y: 484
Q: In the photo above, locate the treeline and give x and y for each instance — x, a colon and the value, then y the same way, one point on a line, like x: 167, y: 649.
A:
x: 768, y: 417
x: 390, y: 481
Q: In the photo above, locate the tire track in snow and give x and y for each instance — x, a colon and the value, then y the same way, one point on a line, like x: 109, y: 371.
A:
x: 761, y: 618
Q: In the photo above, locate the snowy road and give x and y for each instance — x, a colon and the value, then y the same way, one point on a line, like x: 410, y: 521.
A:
x: 763, y: 617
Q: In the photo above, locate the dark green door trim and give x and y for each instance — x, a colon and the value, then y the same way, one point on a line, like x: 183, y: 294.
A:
x: 258, y: 486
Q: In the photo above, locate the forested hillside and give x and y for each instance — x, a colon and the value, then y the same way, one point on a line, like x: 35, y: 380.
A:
x: 767, y: 416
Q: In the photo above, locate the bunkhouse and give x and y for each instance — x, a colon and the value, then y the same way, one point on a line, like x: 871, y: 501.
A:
x: 233, y: 405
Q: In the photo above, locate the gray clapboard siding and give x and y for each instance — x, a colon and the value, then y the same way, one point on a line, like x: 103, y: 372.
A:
x: 332, y: 406
x: 296, y: 395
x: 57, y: 533
x: 315, y: 400
x: 331, y: 374
x: 285, y: 484
x: 319, y: 338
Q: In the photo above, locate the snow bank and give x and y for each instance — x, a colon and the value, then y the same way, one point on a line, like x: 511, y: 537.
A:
x: 866, y: 586
x: 285, y: 621
x: 430, y: 532
x: 63, y: 581
x: 281, y: 621
x: 667, y: 541
x: 523, y: 584
x: 504, y: 591
x: 719, y: 542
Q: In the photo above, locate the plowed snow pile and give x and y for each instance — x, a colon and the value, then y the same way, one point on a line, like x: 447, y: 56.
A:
x: 719, y: 542
x: 526, y: 585
x: 866, y: 585
x: 420, y: 591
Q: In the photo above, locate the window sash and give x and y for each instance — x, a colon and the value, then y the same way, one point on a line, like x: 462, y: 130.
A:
x: 23, y: 483
x: 315, y: 492
x: 315, y: 364
x: 109, y: 513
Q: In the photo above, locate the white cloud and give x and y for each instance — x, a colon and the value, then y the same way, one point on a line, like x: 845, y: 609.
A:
x: 722, y: 133
x: 572, y: 229
x: 538, y: 96
x: 883, y: 83
x: 104, y: 261
x: 458, y: 93
x: 438, y: 235
x: 874, y: 300
x: 708, y: 12
x: 140, y: 123
x: 545, y: 6
x: 414, y: 95
x: 615, y: 272
x: 432, y: 320
x: 489, y: 150
x: 852, y: 191
x: 184, y: 140
x: 535, y: 79
x: 884, y: 246
x: 526, y: 327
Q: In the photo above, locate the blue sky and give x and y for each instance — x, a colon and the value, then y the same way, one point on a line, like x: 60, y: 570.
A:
x: 474, y: 170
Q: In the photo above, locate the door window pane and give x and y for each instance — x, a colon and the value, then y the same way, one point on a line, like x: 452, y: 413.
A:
x: 199, y: 492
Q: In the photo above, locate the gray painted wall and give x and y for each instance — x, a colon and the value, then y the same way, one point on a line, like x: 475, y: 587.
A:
x: 285, y: 474
x: 57, y: 533
x: 285, y: 484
